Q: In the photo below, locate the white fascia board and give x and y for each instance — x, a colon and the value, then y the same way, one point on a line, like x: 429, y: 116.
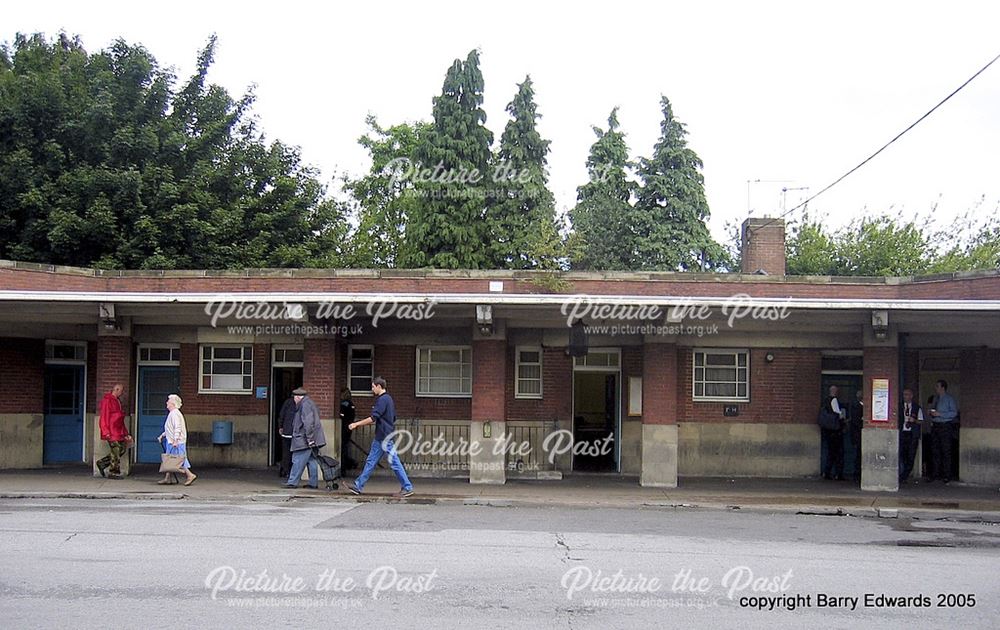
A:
x: 521, y: 299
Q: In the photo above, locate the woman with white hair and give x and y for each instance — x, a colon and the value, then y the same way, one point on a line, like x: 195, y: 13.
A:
x: 175, y: 432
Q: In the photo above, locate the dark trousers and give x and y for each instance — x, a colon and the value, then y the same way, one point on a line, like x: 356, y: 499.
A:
x: 834, y: 452
x: 909, y: 442
x: 942, y: 435
x: 286, y: 457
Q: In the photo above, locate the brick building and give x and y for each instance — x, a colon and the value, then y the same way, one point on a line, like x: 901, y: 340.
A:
x: 503, y: 374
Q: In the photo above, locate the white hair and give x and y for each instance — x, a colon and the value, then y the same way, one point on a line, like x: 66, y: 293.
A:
x: 174, y: 398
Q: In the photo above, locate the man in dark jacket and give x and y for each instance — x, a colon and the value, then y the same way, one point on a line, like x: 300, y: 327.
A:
x: 910, y: 417
x: 307, y: 434
x: 286, y: 420
x: 384, y: 418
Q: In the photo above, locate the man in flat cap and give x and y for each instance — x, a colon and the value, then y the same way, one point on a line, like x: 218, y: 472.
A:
x: 307, y: 435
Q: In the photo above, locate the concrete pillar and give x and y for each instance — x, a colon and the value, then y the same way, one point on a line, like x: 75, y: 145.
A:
x: 880, y: 440
x: 487, y: 461
x: 115, y: 356
x: 659, y: 415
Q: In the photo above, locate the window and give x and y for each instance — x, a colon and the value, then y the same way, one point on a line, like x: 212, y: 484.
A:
x: 226, y: 369
x: 360, y: 369
x: 722, y: 375
x: 528, y: 367
x: 65, y: 351
x: 600, y: 359
x: 444, y: 371
x: 291, y: 356
x: 164, y: 355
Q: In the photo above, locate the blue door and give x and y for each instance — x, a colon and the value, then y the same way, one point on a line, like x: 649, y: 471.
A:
x: 62, y: 440
x: 155, y: 384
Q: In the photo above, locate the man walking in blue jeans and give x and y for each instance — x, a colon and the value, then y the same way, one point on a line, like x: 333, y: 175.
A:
x: 384, y: 418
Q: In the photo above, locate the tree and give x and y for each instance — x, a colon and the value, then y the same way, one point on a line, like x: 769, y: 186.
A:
x: 521, y: 218
x: 671, y: 208
x: 447, y: 228
x: 972, y: 243
x: 385, y: 196
x: 103, y: 163
x: 883, y: 245
x: 879, y: 246
x: 602, y: 219
x: 809, y: 250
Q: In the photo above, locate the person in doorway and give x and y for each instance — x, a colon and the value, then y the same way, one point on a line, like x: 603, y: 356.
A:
x: 383, y: 416
x: 286, y: 418
x: 834, y: 438
x: 910, y: 417
x: 347, y: 416
x: 307, y: 438
x: 943, y: 430
x: 175, y: 434
x: 114, y: 432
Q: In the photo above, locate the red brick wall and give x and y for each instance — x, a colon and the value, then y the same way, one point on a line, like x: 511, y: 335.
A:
x: 659, y: 384
x: 489, y: 380
x: 557, y: 389
x: 882, y: 363
x: 22, y: 375
x: 223, y: 404
x: 114, y: 365
x: 783, y: 391
x: 397, y: 365
x: 319, y: 374
x: 980, y: 378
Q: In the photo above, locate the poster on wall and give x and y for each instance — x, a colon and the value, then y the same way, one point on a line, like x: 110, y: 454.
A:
x: 880, y: 400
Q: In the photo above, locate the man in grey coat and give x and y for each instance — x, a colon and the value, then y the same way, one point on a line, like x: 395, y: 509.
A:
x: 307, y: 435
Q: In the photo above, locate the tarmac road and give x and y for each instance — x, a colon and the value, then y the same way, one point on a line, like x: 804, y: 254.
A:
x: 302, y: 563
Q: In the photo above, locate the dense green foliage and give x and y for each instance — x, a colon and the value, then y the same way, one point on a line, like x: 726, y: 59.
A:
x: 103, y: 162
x: 882, y: 245
x: 107, y: 160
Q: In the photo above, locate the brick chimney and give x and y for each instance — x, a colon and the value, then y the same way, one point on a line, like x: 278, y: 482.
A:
x: 762, y: 246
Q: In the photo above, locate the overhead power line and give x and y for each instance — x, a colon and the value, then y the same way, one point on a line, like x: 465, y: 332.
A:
x: 883, y: 148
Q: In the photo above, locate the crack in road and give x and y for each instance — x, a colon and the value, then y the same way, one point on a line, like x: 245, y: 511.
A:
x: 71, y: 536
x: 560, y: 541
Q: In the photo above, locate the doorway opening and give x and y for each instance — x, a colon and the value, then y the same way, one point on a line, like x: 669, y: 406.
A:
x: 286, y: 375
x: 848, y: 379
x: 596, y: 418
x: 65, y: 386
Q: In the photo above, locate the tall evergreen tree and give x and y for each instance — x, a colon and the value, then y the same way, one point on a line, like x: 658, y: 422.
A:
x: 447, y: 228
x: 521, y: 215
x: 671, y: 205
x: 602, y: 219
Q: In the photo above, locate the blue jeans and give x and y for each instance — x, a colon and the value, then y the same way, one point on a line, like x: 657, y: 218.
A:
x: 374, y: 455
x: 299, y: 461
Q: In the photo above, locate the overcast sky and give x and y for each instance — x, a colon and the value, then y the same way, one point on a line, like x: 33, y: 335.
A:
x: 789, y: 93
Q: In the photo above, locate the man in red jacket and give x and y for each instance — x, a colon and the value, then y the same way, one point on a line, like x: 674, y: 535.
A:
x: 114, y: 432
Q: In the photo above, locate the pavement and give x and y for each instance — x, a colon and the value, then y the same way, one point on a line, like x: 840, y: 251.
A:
x: 955, y: 501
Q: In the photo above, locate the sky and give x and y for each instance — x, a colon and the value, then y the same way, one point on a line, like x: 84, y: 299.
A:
x: 779, y: 98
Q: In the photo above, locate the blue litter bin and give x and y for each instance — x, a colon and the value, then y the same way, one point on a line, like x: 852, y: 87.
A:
x: 222, y: 432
